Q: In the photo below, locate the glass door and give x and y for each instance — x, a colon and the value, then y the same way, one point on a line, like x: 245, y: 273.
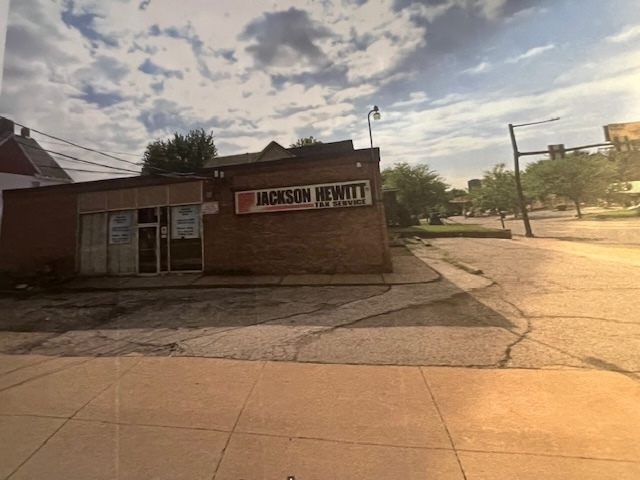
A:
x: 148, y: 249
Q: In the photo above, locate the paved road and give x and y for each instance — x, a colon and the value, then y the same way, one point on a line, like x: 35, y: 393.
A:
x: 541, y: 303
x: 564, y: 226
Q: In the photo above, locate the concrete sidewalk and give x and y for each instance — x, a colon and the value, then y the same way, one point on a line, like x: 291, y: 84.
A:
x: 192, y: 418
x: 407, y: 269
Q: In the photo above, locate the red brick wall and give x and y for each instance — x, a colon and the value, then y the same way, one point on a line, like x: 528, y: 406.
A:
x: 341, y: 240
x: 38, y: 229
x: 13, y: 159
x: 40, y: 225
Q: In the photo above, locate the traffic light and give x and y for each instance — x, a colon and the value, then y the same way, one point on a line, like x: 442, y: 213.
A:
x: 556, y: 151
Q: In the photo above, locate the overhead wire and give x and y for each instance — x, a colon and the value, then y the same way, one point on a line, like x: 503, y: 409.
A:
x: 94, y: 171
x: 105, y: 151
x: 79, y: 146
x: 161, y: 171
x: 89, y: 149
x: 71, y: 158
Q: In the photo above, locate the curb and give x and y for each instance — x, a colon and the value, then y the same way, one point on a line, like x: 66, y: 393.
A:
x: 25, y: 294
x: 502, y: 234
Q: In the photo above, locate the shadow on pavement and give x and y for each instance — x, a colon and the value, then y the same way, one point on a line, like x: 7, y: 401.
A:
x: 137, y: 315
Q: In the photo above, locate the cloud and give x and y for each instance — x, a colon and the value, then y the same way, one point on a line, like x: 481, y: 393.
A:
x: 532, y: 52
x: 285, y: 37
x: 84, y: 23
x: 480, y: 68
x: 627, y: 34
x: 276, y: 72
x: 151, y: 68
x: 101, y: 99
x: 415, y: 98
x: 25, y: 41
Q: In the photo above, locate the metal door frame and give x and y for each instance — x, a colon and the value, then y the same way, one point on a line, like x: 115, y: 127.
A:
x: 155, y: 225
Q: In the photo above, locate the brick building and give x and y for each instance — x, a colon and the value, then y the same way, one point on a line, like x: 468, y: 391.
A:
x: 313, y: 209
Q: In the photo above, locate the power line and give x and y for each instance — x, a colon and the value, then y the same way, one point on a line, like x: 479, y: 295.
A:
x: 94, y: 171
x: 71, y: 158
x: 90, y: 150
x: 106, y: 151
x: 79, y: 146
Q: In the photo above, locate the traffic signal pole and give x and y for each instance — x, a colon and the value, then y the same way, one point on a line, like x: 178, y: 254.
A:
x: 553, y: 151
x: 516, y: 167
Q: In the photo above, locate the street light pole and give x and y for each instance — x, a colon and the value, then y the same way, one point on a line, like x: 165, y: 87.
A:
x: 516, y: 168
x: 376, y: 111
x: 376, y: 116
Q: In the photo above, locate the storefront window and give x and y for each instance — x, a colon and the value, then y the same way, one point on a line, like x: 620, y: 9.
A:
x: 147, y: 215
x: 185, y: 241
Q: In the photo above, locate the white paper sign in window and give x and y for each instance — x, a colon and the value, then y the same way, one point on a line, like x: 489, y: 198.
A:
x: 120, y: 226
x: 185, y: 221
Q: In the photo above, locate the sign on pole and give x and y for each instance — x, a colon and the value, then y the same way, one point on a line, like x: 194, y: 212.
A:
x: 616, y: 132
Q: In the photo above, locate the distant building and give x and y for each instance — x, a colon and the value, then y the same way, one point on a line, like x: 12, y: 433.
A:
x: 24, y: 163
x: 474, y: 184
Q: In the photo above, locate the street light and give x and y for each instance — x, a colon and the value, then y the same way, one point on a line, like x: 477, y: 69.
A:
x: 376, y: 116
x: 516, y: 165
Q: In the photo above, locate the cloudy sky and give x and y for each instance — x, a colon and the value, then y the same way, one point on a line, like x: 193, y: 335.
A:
x: 448, y: 75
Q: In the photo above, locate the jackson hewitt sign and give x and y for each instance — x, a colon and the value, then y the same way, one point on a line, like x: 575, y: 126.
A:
x: 305, y: 197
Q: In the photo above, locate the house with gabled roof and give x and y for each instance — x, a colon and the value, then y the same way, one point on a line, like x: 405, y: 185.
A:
x: 24, y: 163
x: 275, y: 151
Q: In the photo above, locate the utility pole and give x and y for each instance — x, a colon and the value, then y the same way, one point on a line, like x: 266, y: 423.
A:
x: 516, y: 167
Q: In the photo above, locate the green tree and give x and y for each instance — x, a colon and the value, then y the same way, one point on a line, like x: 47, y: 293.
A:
x: 181, y: 153
x: 498, y: 191
x: 303, y: 142
x: 419, y: 189
x: 627, y: 165
x: 579, y: 176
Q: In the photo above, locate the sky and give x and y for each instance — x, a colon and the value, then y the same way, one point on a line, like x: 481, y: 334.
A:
x: 447, y: 75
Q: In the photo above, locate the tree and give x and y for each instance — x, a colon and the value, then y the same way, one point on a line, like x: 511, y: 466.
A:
x: 419, y: 189
x: 579, y: 176
x: 627, y: 165
x: 498, y: 191
x: 182, y: 153
x: 303, y: 142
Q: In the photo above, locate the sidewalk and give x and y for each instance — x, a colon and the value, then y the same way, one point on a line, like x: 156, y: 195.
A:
x: 190, y: 418
x: 407, y: 269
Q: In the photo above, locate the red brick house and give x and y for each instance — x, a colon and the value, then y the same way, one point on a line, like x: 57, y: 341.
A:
x: 24, y: 163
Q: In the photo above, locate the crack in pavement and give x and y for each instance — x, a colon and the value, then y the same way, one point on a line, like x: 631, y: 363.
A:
x: 507, y: 353
x: 114, y: 317
x: 322, y: 307
x: 311, y: 337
